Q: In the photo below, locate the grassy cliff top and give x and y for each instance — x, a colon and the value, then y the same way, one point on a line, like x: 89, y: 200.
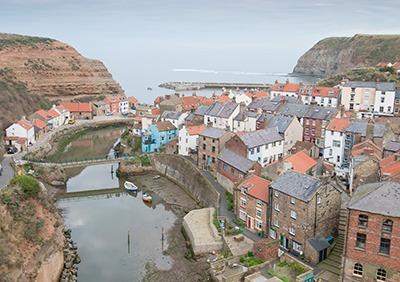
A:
x: 8, y: 40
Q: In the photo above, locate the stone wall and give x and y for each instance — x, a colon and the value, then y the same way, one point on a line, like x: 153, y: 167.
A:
x: 266, y: 250
x: 225, y: 182
x: 188, y: 177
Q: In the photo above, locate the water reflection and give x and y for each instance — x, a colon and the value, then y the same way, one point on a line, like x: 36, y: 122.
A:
x: 101, y: 218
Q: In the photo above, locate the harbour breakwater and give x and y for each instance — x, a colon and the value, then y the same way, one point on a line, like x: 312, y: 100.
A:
x: 183, y: 86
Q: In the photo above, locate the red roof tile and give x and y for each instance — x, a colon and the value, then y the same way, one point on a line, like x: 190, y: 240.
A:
x: 78, y: 107
x: 369, y: 142
x: 155, y: 111
x: 339, y: 125
x: 133, y: 99
x: 390, y: 170
x: 301, y: 162
x: 194, y: 130
x: 324, y: 92
x: 39, y: 123
x: 26, y: 124
x: 386, y: 161
x: 258, y: 187
x: 43, y: 114
x: 54, y: 113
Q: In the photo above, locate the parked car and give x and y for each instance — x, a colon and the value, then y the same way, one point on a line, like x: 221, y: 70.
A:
x: 109, y: 113
x: 71, y: 121
x: 12, y: 150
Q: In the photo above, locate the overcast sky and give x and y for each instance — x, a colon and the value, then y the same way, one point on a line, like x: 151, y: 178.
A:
x: 139, y: 37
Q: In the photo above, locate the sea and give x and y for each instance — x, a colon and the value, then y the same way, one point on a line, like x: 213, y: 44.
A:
x: 147, y: 88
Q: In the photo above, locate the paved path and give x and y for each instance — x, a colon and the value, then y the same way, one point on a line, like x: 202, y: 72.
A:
x: 8, y: 171
x: 222, y: 210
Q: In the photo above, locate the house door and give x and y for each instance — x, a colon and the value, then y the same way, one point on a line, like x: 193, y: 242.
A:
x: 322, y: 255
x: 208, y: 160
x: 250, y: 222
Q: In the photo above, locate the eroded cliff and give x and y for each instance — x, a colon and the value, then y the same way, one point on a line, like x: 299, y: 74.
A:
x: 335, y: 55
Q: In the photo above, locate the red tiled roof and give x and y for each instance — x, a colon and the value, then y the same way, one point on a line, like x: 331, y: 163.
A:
x: 133, y: 99
x: 54, y: 113
x: 329, y: 166
x: 78, y: 107
x: 369, y: 142
x: 305, y: 92
x: 138, y: 119
x: 190, y: 102
x: 259, y: 188
x: 348, y: 114
x: 383, y: 64
x: 390, y: 170
x: 43, y: 114
x: 39, y: 123
x: 338, y: 124
x: 364, y: 151
x: 194, y: 130
x: 386, y: 161
x: 21, y: 140
x: 301, y: 162
x: 224, y: 99
x: 25, y: 124
x: 323, y: 92
x: 157, y: 100
x: 155, y: 111
x: 258, y: 94
x: 288, y: 87
x: 396, y: 66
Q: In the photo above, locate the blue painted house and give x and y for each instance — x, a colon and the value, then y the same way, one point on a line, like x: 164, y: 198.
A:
x: 158, y: 135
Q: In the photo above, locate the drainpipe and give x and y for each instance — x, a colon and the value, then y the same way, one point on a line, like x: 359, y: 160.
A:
x: 345, y: 245
x: 315, y: 213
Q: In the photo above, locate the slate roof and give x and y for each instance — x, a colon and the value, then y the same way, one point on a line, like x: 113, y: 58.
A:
x: 392, y: 146
x: 379, y: 198
x: 293, y: 109
x: 240, y: 163
x: 297, y: 185
x: 379, y: 130
x: 319, y: 243
x: 323, y: 113
x: 239, y: 116
x: 358, y: 127
x: 261, y: 118
x: 171, y: 115
x: 260, y: 137
x: 100, y: 104
x: 201, y: 110
x: 290, y: 99
x: 165, y: 125
x: 281, y: 122
x: 397, y: 94
x: 212, y: 132
x: 383, y: 86
x: 189, y: 117
x: 265, y: 105
x: 222, y: 110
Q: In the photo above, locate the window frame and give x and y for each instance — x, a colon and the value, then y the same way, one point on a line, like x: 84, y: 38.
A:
x: 363, y: 220
x: 358, y: 269
x: 361, y: 240
x: 388, y: 228
x: 381, y: 275
x: 382, y: 248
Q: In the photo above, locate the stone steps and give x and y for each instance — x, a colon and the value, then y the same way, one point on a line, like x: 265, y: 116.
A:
x: 329, y: 267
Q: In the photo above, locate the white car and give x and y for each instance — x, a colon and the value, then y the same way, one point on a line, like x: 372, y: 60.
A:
x: 109, y: 113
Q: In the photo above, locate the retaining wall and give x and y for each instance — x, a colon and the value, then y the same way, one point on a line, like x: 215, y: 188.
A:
x: 188, y: 177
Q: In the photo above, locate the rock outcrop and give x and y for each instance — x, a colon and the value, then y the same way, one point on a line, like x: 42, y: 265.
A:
x: 54, y: 69
x: 335, y: 55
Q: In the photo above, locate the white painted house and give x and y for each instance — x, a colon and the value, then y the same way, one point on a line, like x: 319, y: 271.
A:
x: 246, y: 121
x: 221, y: 115
x: 20, y: 134
x: 189, y: 139
x: 335, y: 141
x: 176, y: 118
x: 264, y: 146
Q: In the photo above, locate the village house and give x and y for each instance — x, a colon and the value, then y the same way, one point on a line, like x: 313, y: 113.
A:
x: 284, y: 89
x: 40, y: 128
x: 211, y: 143
x: 137, y: 128
x: 299, y: 162
x: 79, y: 110
x: 364, y: 164
x: 251, y: 203
x: 372, y: 232
x: 397, y: 103
x: 303, y: 208
x: 391, y: 148
x: 309, y: 148
x: 199, y: 114
x: 189, y: 139
x: 101, y: 108
x: 267, y: 107
x: 321, y: 96
x: 190, y: 103
x: 56, y: 119
x: 220, y: 115
x: 232, y: 169
x: 315, y: 123
x: 294, y: 110
x: 263, y: 146
x: 132, y: 102
x: 170, y: 103
x: 334, y: 142
x: 44, y: 117
x: 20, y: 134
x: 238, y: 98
x: 290, y: 128
x: 247, y: 121
x: 118, y: 104
x: 369, y: 97
x: 158, y: 135
x: 176, y: 118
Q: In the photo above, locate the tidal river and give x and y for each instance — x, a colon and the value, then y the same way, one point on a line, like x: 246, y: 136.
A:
x: 117, y: 234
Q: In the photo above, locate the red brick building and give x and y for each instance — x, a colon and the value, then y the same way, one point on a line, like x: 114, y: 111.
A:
x: 315, y: 123
x: 251, y: 204
x: 372, y: 236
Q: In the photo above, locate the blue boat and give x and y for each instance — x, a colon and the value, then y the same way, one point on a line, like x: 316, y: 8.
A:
x: 130, y: 186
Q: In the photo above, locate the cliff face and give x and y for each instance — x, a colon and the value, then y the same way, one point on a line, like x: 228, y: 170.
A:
x: 335, y: 55
x: 55, y: 70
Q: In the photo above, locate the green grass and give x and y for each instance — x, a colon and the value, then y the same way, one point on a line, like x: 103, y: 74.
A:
x: 15, y: 40
x: 229, y: 201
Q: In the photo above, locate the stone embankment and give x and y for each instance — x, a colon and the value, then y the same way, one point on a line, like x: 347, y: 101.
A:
x: 184, y: 173
x: 182, y: 86
x: 71, y: 259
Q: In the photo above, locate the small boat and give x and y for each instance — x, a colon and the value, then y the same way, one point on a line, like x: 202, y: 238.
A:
x: 146, y: 197
x: 156, y: 177
x: 130, y: 186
